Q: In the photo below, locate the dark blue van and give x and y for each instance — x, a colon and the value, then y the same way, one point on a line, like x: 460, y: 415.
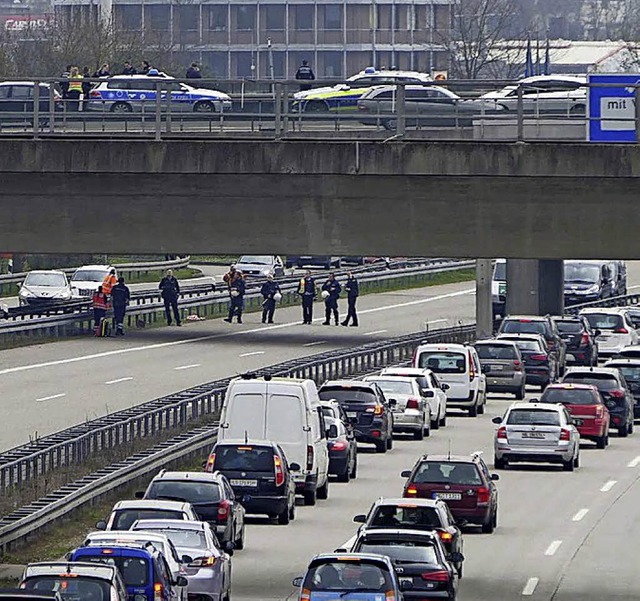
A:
x: 144, y: 571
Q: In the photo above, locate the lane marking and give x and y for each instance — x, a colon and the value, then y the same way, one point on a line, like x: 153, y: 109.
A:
x: 119, y: 380
x: 161, y: 345
x: 607, y: 486
x: 375, y: 332
x: 53, y: 396
x: 315, y: 343
x: 634, y: 462
x: 578, y: 516
x: 187, y: 366
x: 251, y: 354
x: 553, y: 547
x: 530, y: 587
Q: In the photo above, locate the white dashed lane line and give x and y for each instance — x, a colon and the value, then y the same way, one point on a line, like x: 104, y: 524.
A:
x: 607, y: 486
x: 634, y: 462
x: 530, y: 587
x: 53, y: 396
x: 181, y: 367
x: 119, y: 380
x: 252, y: 354
x: 553, y: 547
x: 578, y: 516
x: 375, y: 332
x: 317, y: 343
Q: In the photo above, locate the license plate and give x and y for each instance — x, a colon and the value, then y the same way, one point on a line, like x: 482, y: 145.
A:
x: 497, y: 367
x: 449, y: 496
x: 352, y: 414
x: 248, y: 483
x: 536, y: 435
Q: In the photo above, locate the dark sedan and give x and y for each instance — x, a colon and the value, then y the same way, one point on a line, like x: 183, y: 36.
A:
x: 580, y: 339
x: 343, y: 450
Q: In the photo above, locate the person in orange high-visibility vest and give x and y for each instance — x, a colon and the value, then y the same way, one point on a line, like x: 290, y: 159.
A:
x: 100, y: 303
x: 110, y: 280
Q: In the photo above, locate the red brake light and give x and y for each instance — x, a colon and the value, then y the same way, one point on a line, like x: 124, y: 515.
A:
x: 472, y: 373
x: 565, y: 434
x: 445, y: 536
x: 413, y: 404
x: 483, y: 494
x: 411, y: 491
x: 617, y: 394
x: 376, y: 410
x: 621, y: 331
x: 223, y: 510
x: 502, y: 432
x: 539, y: 357
x: 438, y: 576
x: 584, y: 341
x: 277, y: 462
x: 309, y: 457
x: 210, y: 462
x: 339, y: 445
x: 518, y: 365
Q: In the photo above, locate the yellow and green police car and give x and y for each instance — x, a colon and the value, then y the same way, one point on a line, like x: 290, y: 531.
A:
x: 345, y: 96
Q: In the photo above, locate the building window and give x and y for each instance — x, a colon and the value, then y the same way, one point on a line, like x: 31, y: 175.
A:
x: 216, y: 63
x: 275, y: 17
x: 245, y: 17
x: 383, y: 17
x: 189, y: 17
x: 303, y: 17
x: 157, y: 17
x: 333, y: 16
x: 218, y: 16
x: 244, y: 62
x: 128, y: 17
x: 332, y: 64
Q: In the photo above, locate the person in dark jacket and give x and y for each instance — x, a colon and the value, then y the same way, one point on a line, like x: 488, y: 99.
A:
x: 170, y: 290
x: 146, y: 67
x: 236, y: 294
x: 193, y: 72
x: 307, y: 290
x: 332, y: 288
x: 353, y: 290
x: 120, y: 297
x: 269, y: 289
x: 86, y: 87
x: 305, y: 73
x: 129, y: 69
x: 103, y: 71
x: 64, y: 84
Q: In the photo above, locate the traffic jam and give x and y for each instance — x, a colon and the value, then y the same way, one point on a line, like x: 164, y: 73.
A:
x: 282, y: 443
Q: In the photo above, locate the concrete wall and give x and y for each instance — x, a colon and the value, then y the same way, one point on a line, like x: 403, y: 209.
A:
x: 367, y: 198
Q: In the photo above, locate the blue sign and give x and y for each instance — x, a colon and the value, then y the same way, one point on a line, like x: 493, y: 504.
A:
x: 612, y: 108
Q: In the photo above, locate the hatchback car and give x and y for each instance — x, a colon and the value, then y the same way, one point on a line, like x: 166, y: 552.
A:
x: 343, y: 450
x: 584, y: 403
x: 536, y: 433
x: 579, y: 338
x: 540, y: 365
x: 616, y: 329
x: 86, y: 279
x: 503, y: 365
x: 125, y: 513
x: 614, y: 391
x: 260, y: 265
x: 367, y: 410
x: 210, y: 495
x: 463, y: 482
x: 630, y: 369
x: 44, y: 287
x: 419, y: 558
x: 17, y: 101
x: 411, y: 411
x: 260, y: 476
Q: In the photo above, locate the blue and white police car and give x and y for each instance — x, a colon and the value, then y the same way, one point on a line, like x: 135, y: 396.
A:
x: 137, y: 93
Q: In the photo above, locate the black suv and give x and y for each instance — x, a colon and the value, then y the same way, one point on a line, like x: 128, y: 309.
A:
x: 259, y: 475
x: 579, y: 338
x: 536, y: 324
x: 614, y: 391
x: 367, y: 410
x: 463, y: 482
x: 211, y: 496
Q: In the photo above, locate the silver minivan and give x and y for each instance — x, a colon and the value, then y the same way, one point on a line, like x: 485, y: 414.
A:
x: 503, y: 366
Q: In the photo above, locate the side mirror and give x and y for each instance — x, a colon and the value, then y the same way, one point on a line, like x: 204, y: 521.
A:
x: 495, y: 477
x: 101, y: 525
x: 68, y: 556
x: 497, y: 420
x: 182, y: 581
x: 428, y: 393
x: 360, y: 518
x: 332, y: 431
x: 455, y: 557
x: 597, y: 332
x: 229, y: 546
x: 392, y: 402
x: 140, y: 493
x: 186, y: 559
x: 405, y: 474
x: 406, y: 585
x: 444, y: 386
x: 297, y: 582
x: 294, y: 467
x: 340, y: 550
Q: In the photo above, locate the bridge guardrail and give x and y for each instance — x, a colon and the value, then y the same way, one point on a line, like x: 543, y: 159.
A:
x: 613, y: 301
x: 173, y: 411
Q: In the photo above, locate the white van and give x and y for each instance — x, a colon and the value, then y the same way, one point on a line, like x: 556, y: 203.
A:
x: 458, y: 366
x: 286, y: 411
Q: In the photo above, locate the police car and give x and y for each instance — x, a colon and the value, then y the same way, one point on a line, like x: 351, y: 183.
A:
x: 345, y: 96
x: 129, y: 93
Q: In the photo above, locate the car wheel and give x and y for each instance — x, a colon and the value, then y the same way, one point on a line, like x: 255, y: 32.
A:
x: 520, y: 394
x: 354, y: 469
x: 568, y: 466
x: 316, y: 106
x: 239, y: 542
x: 346, y: 476
x: 390, y: 441
x: 435, y: 424
x: 576, y: 461
x: 443, y: 421
x: 309, y: 497
x: 481, y: 407
x: 489, y: 527
x: 390, y: 124
x: 292, y: 511
x: 204, y: 106
x: 601, y: 441
x: 323, y: 491
x: 418, y: 434
x: 499, y: 464
x: 623, y: 432
x: 121, y: 107
x: 381, y: 447
x: 284, y: 518
x: 473, y: 411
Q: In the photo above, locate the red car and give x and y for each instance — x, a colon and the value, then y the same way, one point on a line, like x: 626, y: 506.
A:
x: 584, y: 403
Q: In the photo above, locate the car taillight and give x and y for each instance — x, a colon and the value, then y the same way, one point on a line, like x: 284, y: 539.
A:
x: 389, y: 596
x: 584, y: 340
x: 445, y: 536
x: 621, y: 331
x: 517, y: 365
x: 339, y: 445
x: 305, y: 595
x: 309, y: 457
x: 411, y: 490
x: 223, y: 510
x: 565, y: 434
x: 483, y: 494
x: 472, y: 373
x: 203, y: 562
x: 376, y: 410
x: 414, y: 357
x: 210, y: 462
x: 617, y: 394
x: 539, y: 357
x: 277, y: 463
x: 157, y: 591
x: 502, y: 432
x: 600, y: 411
x: 413, y: 404
x: 551, y: 343
x: 438, y: 576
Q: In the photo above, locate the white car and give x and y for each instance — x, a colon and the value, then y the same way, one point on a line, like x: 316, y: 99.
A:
x: 536, y: 433
x: 44, y: 287
x: 616, y: 329
x: 125, y: 513
x: 430, y: 387
x: 86, y: 279
x: 260, y: 265
x: 499, y: 288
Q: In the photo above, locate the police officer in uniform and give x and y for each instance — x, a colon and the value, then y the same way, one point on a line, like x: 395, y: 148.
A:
x: 120, y: 298
x: 352, y: 289
x: 236, y: 293
x: 307, y: 290
x: 305, y: 73
x: 269, y: 289
x: 333, y: 288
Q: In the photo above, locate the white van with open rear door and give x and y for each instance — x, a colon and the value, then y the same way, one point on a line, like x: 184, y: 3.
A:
x: 458, y: 366
x: 286, y: 411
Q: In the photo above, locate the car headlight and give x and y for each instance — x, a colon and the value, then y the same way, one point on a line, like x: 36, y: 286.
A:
x: 26, y: 293
x: 266, y: 271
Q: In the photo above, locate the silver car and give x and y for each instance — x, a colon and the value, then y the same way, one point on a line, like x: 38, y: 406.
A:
x: 261, y: 265
x: 536, y: 433
x: 412, y: 412
x: 207, y: 566
x: 502, y: 363
x: 44, y: 288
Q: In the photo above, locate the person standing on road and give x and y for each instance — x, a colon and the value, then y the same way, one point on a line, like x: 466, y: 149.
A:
x: 269, y: 290
x: 305, y: 73
x: 353, y: 290
x: 236, y: 293
x: 86, y: 87
x: 331, y: 290
x: 100, y: 304
x: 228, y: 277
x: 102, y: 71
x: 109, y: 281
x: 169, y: 291
x: 64, y: 84
x: 193, y: 72
x: 307, y: 290
x: 120, y: 297
x: 75, y: 89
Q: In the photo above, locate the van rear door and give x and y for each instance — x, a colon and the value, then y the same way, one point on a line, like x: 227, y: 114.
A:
x: 244, y: 416
x: 286, y: 421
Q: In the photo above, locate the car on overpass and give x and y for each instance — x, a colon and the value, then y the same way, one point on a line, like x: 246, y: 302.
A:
x: 44, y: 287
x: 17, y: 101
x: 86, y: 279
x: 326, y: 261
x: 260, y: 265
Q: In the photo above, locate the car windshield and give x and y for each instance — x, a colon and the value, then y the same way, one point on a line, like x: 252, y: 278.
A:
x: 256, y: 259
x: 528, y: 345
x: 134, y: 570
x: 347, y: 395
x: 604, y: 321
x: 570, y: 327
x: 125, y: 518
x: 524, y: 326
x: 533, y: 417
x: 395, y: 386
x: 88, y: 276
x: 631, y: 373
x: 347, y: 575
x: 191, y: 491
x: 496, y: 351
x: 73, y: 588
x: 443, y: 362
x: 400, y: 551
x: 183, y: 538
x: 581, y: 272
x: 247, y: 458
x: 56, y: 280
x: 394, y: 516
x: 449, y: 472
x: 500, y: 272
x: 569, y: 396
x: 601, y: 381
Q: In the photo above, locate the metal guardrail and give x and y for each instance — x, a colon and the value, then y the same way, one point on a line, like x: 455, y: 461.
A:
x: 613, y: 301
x: 76, y: 444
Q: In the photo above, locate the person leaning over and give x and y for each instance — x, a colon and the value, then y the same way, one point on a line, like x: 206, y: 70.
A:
x: 100, y: 304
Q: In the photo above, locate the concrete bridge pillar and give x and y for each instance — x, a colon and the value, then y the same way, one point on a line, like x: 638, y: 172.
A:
x: 535, y: 287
